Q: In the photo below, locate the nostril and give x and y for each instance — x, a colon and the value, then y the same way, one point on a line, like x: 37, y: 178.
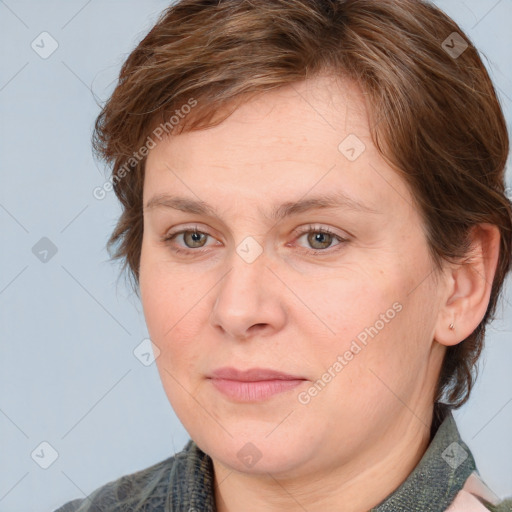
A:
x: 258, y: 327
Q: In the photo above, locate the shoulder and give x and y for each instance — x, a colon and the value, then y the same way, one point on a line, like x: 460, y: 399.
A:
x: 149, y: 486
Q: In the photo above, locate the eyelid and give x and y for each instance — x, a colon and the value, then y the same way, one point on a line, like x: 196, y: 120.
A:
x: 317, y: 228
x: 186, y: 227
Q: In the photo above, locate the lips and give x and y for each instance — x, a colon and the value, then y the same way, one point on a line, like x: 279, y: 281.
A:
x: 252, y: 375
x: 253, y: 385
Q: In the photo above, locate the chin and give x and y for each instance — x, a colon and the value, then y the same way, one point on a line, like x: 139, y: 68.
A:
x: 257, y: 454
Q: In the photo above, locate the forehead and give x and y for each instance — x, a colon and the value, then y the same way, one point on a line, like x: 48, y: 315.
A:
x: 279, y: 145
x: 295, y: 113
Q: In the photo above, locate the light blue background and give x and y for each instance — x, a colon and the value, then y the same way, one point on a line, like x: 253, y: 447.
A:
x: 68, y: 374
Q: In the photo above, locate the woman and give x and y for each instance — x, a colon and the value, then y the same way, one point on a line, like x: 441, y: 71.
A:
x: 315, y: 218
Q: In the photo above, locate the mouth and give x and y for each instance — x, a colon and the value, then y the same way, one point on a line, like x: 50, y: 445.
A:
x: 253, y: 385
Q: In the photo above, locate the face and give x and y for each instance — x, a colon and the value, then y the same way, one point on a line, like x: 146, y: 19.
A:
x: 286, y: 280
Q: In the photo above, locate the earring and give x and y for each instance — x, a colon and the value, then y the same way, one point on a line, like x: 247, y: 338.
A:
x: 451, y: 326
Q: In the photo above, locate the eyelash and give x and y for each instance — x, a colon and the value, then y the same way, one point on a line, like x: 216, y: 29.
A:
x: 309, y: 229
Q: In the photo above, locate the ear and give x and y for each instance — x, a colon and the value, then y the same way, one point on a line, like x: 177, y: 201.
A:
x: 469, y: 287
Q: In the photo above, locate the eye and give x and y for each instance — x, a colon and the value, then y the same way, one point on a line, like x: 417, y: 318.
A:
x: 320, y: 238
x: 192, y: 239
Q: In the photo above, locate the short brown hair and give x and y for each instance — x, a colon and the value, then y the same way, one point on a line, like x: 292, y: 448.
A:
x: 434, y: 114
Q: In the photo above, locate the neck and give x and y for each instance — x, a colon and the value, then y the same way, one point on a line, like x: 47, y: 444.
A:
x: 355, y: 486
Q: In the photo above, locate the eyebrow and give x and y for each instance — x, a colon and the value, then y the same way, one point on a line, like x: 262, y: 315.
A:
x: 332, y: 200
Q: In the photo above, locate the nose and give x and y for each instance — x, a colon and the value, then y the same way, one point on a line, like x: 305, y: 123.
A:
x: 249, y: 300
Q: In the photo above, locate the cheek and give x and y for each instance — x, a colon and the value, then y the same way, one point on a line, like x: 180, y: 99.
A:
x: 374, y: 323
x: 163, y: 291
x: 171, y: 310
x: 349, y: 305
x: 175, y: 305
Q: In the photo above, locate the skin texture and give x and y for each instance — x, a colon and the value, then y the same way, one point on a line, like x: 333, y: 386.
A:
x: 295, y: 311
